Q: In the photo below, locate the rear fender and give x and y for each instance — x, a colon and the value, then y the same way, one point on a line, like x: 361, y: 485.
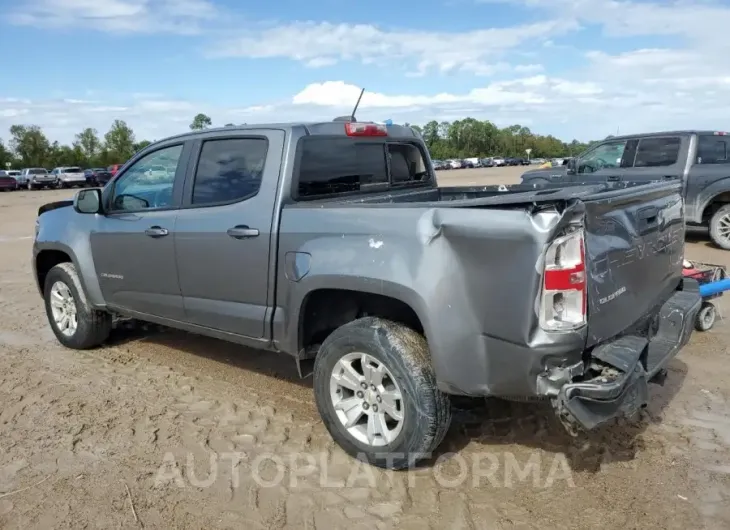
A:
x: 696, y: 207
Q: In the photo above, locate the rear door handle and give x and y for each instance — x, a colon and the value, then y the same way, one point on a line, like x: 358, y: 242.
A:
x: 156, y: 231
x: 242, y: 232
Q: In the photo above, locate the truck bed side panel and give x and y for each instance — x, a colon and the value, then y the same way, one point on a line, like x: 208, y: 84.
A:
x: 470, y: 274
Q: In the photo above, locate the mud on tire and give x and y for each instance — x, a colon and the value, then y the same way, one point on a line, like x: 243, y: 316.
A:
x: 93, y: 327
x: 404, y: 352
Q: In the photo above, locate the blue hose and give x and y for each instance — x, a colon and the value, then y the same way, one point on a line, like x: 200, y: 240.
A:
x: 708, y: 289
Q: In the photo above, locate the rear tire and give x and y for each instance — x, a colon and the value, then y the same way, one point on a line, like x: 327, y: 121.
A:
x: 720, y: 227
x: 403, y: 357
x: 85, y: 327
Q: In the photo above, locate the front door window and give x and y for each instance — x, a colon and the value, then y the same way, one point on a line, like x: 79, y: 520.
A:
x: 147, y: 184
x: 605, y: 156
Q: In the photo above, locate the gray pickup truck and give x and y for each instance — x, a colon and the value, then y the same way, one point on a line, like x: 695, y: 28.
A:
x: 698, y: 159
x: 332, y: 243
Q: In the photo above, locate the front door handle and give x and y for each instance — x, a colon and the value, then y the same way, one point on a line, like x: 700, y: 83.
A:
x: 156, y: 231
x: 242, y: 232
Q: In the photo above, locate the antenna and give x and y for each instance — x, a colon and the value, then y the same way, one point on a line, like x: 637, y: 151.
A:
x: 351, y: 117
x: 357, y: 104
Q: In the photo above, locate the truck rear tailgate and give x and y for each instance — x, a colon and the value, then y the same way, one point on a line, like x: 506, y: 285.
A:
x: 634, y: 251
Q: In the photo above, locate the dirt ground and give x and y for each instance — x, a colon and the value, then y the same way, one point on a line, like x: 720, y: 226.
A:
x: 161, y: 429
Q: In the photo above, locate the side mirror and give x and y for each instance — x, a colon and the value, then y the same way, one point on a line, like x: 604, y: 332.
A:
x: 572, y: 166
x: 88, y: 201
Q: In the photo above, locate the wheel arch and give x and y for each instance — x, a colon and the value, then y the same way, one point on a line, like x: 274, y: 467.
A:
x: 48, y: 255
x: 323, y: 309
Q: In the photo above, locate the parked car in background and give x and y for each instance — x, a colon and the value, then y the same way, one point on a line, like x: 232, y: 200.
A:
x: 8, y: 180
x: 97, y: 176
x: 467, y: 163
x: 700, y: 160
x: 454, y: 164
x: 69, y: 177
x: 486, y: 162
x: 473, y: 162
x: 35, y: 178
x: 439, y: 165
x: 114, y: 168
x: 498, y: 161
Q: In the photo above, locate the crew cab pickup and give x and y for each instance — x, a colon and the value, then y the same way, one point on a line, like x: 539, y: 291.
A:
x: 698, y: 159
x: 332, y: 242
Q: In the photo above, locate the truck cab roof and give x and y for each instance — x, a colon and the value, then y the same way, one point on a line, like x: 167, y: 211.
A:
x: 329, y: 128
x: 688, y: 132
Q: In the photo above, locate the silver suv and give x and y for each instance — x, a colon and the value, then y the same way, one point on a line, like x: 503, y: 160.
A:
x: 68, y: 177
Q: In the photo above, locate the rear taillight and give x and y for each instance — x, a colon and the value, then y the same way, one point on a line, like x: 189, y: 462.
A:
x: 366, y: 129
x: 563, y: 300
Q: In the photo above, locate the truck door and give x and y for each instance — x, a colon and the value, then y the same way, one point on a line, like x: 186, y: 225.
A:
x: 133, y: 247
x: 224, y: 230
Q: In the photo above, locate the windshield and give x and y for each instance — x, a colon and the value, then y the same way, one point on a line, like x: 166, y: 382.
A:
x: 38, y: 171
x: 72, y: 170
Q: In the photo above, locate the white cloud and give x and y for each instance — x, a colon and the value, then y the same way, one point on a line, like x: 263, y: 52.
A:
x: 121, y: 16
x: 324, y: 43
x: 680, y: 78
x: 541, y: 101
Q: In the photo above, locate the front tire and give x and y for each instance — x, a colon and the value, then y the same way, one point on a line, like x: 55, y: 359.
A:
x: 376, y: 392
x: 74, y: 322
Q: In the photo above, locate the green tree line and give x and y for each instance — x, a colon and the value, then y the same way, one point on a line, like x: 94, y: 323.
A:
x: 474, y: 138
x: 28, y: 146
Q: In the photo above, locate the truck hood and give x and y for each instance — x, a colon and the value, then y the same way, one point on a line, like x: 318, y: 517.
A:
x: 54, y: 206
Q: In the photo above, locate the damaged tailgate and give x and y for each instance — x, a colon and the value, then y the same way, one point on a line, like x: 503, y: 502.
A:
x: 634, y: 246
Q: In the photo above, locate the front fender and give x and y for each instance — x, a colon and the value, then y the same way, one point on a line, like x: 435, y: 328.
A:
x: 63, y: 230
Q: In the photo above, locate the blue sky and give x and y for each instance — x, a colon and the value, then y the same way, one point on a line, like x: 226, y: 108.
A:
x: 573, y: 68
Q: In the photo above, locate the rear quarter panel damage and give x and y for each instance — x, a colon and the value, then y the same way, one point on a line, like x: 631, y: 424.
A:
x: 472, y: 275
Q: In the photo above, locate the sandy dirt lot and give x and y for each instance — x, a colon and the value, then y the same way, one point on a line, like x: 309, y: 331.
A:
x: 161, y: 429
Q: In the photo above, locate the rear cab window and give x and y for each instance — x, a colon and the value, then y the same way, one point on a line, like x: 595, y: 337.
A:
x: 712, y: 149
x: 330, y: 166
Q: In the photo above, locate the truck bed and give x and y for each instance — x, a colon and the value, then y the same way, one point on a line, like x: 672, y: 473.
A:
x: 470, y: 259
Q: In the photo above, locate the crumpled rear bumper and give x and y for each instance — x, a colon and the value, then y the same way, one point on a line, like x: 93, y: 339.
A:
x: 637, y: 360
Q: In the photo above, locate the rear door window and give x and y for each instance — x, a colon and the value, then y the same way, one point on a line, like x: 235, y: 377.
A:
x: 657, y: 152
x: 229, y: 170
x: 712, y: 150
